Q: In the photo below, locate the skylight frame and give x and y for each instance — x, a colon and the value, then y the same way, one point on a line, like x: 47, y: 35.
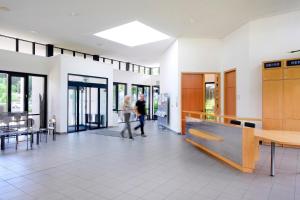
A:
x: 132, y: 34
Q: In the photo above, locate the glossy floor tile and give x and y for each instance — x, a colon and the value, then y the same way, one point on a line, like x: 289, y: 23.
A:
x: 161, y: 166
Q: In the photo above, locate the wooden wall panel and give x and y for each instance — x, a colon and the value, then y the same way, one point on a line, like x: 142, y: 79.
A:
x: 291, y: 73
x: 272, y: 74
x: 230, y: 93
x: 272, y: 99
x: 291, y: 104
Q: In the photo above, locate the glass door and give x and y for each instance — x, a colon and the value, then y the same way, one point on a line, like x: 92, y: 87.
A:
x: 87, y: 106
x: 92, y: 116
x: 103, y: 107
x: 17, y: 93
x: 82, y: 108
x: 72, y: 109
x: 3, y: 92
x: 22, y: 92
x: 155, y: 96
x: 147, y: 99
x: 37, y: 101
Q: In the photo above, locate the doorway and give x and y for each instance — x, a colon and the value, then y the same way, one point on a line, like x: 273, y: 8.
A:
x: 136, y: 91
x: 23, y: 92
x: 200, y: 92
x: 87, y: 104
x: 155, y: 96
x: 230, y: 92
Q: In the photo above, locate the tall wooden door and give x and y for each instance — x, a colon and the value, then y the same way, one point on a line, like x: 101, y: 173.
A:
x: 191, y: 95
x: 230, y: 92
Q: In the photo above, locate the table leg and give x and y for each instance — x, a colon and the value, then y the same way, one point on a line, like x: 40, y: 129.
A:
x: 2, y: 142
x: 37, y: 137
x: 31, y: 140
x: 272, y: 159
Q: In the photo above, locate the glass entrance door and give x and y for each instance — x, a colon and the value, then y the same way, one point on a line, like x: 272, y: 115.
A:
x: 155, y: 95
x: 72, y: 109
x: 92, y: 116
x: 87, y: 107
x: 82, y: 108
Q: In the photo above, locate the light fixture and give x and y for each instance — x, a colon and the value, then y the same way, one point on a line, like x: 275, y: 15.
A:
x: 74, y: 14
x: 132, y: 34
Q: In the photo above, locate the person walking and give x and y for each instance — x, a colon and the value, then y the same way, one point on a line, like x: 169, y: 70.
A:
x: 126, y: 110
x: 140, y: 107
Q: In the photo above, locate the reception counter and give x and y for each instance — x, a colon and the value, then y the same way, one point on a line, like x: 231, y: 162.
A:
x: 234, y: 145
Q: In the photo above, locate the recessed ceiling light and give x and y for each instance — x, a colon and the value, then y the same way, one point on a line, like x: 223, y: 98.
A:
x: 4, y: 8
x: 132, y: 34
x: 74, y: 14
x: 33, y: 32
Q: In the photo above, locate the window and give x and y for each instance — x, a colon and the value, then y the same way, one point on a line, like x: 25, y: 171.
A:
x: 25, y: 47
x: 136, y: 68
x: 40, y: 50
x: 155, y: 71
x: 147, y: 70
x: 119, y: 92
x: 142, y: 70
x: 7, y: 44
x: 3, y: 92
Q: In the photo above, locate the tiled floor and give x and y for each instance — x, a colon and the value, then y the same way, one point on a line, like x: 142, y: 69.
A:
x: 161, y: 166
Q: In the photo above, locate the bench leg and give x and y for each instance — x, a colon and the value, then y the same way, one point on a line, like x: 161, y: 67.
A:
x: 2, y: 142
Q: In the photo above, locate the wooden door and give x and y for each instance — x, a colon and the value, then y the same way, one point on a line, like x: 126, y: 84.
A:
x: 230, y: 93
x: 191, y: 95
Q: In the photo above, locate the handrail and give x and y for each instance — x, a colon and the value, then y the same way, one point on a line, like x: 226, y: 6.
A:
x: 231, y: 117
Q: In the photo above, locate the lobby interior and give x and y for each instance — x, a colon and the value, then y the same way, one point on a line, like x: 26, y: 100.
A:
x: 221, y: 83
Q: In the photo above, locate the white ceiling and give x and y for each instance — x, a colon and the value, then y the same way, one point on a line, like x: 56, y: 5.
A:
x: 53, y: 22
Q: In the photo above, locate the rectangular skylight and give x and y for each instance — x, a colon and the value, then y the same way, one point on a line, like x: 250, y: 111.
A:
x: 132, y: 34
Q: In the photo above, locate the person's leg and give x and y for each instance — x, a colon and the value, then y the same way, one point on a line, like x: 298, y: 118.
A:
x: 129, y: 130
x: 124, y: 128
x: 127, y: 121
x: 142, y: 122
x: 139, y: 125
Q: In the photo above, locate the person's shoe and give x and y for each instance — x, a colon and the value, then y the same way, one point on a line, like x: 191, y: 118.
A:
x: 136, y: 128
x: 143, y: 135
x: 131, y: 138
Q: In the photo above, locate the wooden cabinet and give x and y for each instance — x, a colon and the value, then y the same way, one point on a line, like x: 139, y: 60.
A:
x: 272, y: 104
x: 281, y: 95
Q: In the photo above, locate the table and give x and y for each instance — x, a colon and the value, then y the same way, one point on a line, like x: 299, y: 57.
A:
x: 280, y: 137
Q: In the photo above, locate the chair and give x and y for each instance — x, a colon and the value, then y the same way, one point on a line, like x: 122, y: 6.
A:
x: 249, y: 124
x: 235, y: 122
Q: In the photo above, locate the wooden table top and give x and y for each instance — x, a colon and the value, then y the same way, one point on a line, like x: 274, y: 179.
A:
x: 279, y: 136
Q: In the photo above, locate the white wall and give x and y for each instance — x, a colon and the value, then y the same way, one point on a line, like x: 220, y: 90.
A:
x: 186, y: 55
x: 236, y: 55
x: 246, y: 48
x: 169, y: 83
x: 19, y: 62
x: 199, y: 55
x: 68, y: 64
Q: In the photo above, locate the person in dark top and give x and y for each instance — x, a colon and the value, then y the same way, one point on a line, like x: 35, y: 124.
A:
x: 140, y: 106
